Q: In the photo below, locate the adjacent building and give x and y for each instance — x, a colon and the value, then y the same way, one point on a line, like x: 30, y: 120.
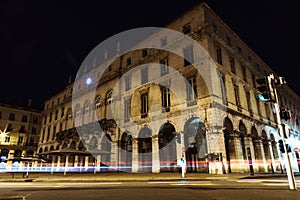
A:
x: 150, y: 117
x: 20, y: 129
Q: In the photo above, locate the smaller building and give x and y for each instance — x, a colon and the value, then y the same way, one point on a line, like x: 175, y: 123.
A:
x: 20, y: 128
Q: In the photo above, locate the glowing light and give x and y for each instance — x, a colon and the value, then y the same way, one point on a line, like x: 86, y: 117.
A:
x: 261, y: 97
x: 88, y: 81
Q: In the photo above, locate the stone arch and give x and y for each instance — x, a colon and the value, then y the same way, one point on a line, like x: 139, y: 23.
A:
x: 86, y: 112
x: 195, y: 143
x: 256, y: 142
x: 145, y: 149
x: 108, y: 104
x: 57, y: 147
x: 229, y: 142
x: 167, y: 146
x: 274, y: 146
x: 126, y: 151
x: 242, y: 137
x: 77, y: 114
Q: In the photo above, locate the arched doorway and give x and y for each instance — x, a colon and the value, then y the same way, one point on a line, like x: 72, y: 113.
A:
x: 145, y: 150
x: 266, y: 147
x: 126, y: 152
x: 167, y: 147
x: 196, y: 145
x: 229, y: 143
x: 106, y: 146
x: 242, y: 135
x: 257, y: 149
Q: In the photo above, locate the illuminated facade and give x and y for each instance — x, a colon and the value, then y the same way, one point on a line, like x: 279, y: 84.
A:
x: 20, y: 130
x: 221, y: 133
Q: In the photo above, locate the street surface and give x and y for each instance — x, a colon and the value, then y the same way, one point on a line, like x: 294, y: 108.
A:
x: 246, y: 189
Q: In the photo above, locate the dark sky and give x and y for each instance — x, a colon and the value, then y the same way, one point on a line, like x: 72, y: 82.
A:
x: 43, y: 42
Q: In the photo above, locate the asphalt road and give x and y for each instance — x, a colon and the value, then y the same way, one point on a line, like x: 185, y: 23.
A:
x: 246, y: 189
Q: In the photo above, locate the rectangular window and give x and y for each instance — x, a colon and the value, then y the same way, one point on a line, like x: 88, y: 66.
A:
x: 165, y: 99
x: 253, y: 80
x: 144, y: 105
x: 54, y: 131
x: 48, y: 133
x: 219, y: 55
x: 22, y: 129
x: 186, y: 29
x: 236, y: 94
x: 20, y: 141
x: 62, y: 112
x: 127, y: 82
x: 223, y: 90
x: 35, y: 120
x: 45, y: 119
x: 33, y: 130
x: 164, y: 68
x: 244, y: 72
x: 191, y: 89
x: 163, y: 41
x: 60, y: 127
x: 232, y: 64
x: 7, y: 139
x: 31, y: 141
x: 128, y: 61
x: 0, y: 114
x: 188, y: 54
x: 56, y: 115
x: 12, y: 116
x: 144, y: 75
x: 144, y: 53
x: 9, y: 127
x: 24, y: 118
x: 50, y: 117
x: 127, y: 110
x: 248, y: 102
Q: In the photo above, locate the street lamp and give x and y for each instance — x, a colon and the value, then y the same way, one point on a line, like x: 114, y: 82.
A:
x: 3, y: 134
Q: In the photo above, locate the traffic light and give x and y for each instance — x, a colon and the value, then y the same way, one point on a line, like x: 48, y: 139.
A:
x: 281, y: 147
x: 288, y: 148
x: 266, y: 89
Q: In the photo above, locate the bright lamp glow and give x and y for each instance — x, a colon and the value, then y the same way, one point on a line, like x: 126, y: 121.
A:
x: 261, y: 97
x: 88, y: 81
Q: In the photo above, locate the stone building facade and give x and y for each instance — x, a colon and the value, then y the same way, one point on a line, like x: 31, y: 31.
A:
x: 20, y: 131
x: 150, y: 107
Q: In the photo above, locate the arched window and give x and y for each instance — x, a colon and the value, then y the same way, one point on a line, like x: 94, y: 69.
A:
x: 109, y: 101
x: 86, y: 112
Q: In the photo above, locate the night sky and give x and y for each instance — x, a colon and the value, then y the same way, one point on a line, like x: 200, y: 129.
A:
x: 42, y: 43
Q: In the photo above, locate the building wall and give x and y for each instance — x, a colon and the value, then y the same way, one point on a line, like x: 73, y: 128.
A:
x: 20, y: 128
x: 236, y: 123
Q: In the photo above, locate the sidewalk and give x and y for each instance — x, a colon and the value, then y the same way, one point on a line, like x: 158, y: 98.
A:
x: 123, y: 176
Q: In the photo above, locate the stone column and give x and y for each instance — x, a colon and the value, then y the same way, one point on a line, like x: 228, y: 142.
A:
x: 259, y: 160
x: 135, y: 156
x: 155, y: 155
x: 235, y: 152
x: 114, y: 156
x: 58, y: 163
